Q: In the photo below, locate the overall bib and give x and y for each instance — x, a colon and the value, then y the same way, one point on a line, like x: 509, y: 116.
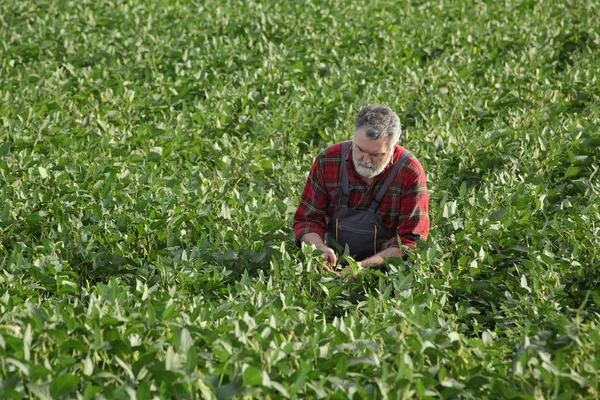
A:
x: 362, y: 230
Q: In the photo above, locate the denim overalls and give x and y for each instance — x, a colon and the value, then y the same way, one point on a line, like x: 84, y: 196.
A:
x: 361, y: 230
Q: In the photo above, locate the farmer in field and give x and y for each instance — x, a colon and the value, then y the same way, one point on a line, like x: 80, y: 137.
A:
x: 368, y: 193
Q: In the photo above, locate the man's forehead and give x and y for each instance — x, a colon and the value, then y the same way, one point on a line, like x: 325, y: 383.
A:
x: 371, y: 145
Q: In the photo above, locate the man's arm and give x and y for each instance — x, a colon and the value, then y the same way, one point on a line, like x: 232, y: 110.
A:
x: 413, y: 221
x: 309, y: 219
x: 381, y: 257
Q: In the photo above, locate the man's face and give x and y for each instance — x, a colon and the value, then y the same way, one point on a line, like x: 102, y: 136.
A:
x: 370, y: 156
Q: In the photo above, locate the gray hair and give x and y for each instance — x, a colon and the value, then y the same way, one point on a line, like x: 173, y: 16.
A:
x: 380, y: 121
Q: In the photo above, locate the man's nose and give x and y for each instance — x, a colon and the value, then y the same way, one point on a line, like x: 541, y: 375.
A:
x: 366, y: 158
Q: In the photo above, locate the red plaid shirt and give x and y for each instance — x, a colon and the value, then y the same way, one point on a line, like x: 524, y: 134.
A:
x: 403, y: 209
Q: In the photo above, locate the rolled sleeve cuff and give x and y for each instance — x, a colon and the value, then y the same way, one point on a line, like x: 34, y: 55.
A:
x: 302, y: 229
x: 393, y: 242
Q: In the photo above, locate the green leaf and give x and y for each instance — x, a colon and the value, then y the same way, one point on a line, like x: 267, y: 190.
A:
x: 90, y: 391
x: 88, y: 366
x: 112, y: 114
x: 62, y: 385
x: 572, y: 171
x: 23, y: 368
x: 43, y: 172
x: 498, y: 214
x: 126, y: 367
x: 5, y: 148
x: 252, y: 376
x: 143, y: 392
x: 370, y: 359
x: 258, y: 257
x: 185, y: 341
x: 27, y: 338
x: 192, y: 360
x: 228, y: 391
x: 41, y: 391
x: 33, y: 218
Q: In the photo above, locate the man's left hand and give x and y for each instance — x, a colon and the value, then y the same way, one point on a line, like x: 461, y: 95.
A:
x: 347, y: 272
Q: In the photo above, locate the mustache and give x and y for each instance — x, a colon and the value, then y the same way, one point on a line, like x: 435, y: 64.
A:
x: 367, y: 165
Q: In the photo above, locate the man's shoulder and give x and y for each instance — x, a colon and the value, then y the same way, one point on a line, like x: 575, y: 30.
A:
x: 332, y: 152
x: 336, y: 148
x: 412, y: 162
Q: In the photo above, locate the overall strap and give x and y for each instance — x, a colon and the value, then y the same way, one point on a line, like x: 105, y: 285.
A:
x: 375, y: 204
x: 344, y: 170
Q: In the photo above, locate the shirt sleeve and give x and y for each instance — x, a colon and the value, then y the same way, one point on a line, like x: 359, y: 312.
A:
x: 310, y: 214
x: 413, y: 223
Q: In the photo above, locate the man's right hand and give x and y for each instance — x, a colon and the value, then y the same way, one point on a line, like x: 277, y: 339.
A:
x: 312, y: 238
x: 330, y: 256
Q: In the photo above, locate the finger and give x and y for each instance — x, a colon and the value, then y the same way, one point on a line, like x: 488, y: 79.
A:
x: 333, y: 260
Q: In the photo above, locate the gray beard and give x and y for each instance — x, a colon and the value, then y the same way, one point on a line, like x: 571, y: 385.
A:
x: 369, y: 170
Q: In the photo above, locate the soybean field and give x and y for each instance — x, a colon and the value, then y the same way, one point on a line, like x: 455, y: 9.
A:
x: 152, y: 155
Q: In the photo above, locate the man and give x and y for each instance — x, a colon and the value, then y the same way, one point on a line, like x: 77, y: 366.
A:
x: 367, y: 194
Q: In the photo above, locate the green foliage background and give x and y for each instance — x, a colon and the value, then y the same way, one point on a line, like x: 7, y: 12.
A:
x: 152, y: 155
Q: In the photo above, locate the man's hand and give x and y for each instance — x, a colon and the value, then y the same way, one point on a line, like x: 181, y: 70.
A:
x: 312, y: 238
x: 329, y: 255
x: 347, y: 272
